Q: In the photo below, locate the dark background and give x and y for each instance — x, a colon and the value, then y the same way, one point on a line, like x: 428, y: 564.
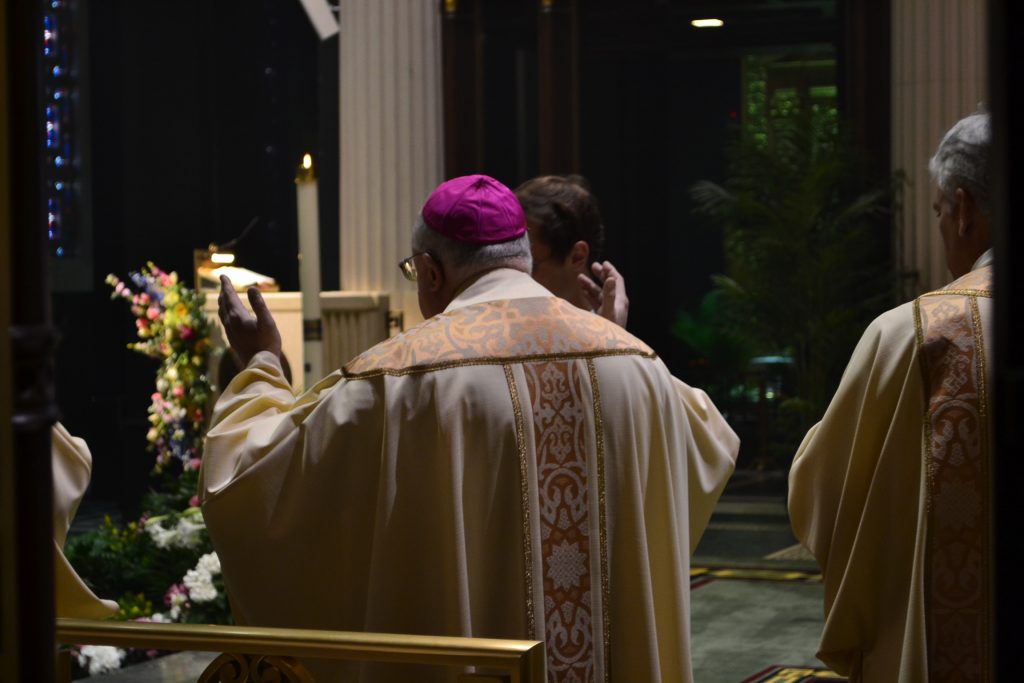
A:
x: 198, y: 115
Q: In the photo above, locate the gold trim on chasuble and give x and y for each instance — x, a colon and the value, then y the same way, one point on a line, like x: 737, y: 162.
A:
x: 576, y: 625
x: 950, y: 340
x: 495, y: 332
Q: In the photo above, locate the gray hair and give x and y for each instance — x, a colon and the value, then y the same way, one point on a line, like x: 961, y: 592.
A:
x: 472, y: 257
x: 962, y: 160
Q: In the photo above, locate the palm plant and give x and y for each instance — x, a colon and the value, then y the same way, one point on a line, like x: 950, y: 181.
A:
x: 806, y: 244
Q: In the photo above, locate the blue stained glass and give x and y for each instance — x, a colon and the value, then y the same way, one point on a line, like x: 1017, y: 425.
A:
x: 59, y: 161
x: 58, y: 186
x: 57, y: 71
x: 60, y: 251
x: 50, y: 233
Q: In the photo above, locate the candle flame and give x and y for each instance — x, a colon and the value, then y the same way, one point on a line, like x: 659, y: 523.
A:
x: 307, y: 161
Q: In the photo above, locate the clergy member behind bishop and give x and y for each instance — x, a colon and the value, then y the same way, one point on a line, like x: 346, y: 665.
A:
x: 891, y: 490
x: 513, y: 467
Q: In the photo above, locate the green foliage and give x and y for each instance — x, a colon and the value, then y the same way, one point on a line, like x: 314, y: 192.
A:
x: 721, y: 340
x: 805, y: 239
x: 111, y: 559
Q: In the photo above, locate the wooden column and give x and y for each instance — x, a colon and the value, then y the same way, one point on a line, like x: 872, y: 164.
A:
x: 462, y: 40
x: 391, y: 138
x: 938, y: 77
x: 28, y: 406
x: 558, y: 74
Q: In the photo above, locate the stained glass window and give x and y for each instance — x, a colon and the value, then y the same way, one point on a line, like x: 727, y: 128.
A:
x: 60, y: 90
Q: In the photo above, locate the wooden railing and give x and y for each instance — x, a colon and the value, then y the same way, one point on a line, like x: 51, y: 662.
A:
x: 263, y: 654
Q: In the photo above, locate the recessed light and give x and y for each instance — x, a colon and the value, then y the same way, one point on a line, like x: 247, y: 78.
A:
x: 707, y: 23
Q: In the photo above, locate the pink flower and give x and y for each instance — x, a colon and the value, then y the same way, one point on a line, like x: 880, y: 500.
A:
x: 175, y: 589
x: 155, y: 397
x: 143, y: 298
x: 186, y: 332
x: 179, y: 391
x: 152, y: 312
x: 195, y: 463
x: 194, y: 501
x: 119, y: 288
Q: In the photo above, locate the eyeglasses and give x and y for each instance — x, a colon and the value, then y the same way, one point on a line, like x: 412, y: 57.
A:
x: 408, y: 265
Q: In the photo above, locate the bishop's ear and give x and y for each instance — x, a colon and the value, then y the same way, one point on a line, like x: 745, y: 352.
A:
x: 431, y: 272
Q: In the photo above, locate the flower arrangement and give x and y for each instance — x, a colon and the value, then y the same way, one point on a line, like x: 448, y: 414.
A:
x: 166, y: 557
x: 172, y: 327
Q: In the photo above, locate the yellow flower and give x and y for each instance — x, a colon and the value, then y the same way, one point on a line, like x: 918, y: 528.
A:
x: 170, y: 299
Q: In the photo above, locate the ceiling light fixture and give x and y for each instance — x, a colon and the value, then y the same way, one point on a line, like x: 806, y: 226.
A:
x: 707, y: 23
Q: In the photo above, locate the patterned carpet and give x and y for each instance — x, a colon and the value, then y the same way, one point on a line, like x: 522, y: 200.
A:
x: 793, y: 674
x: 701, y: 576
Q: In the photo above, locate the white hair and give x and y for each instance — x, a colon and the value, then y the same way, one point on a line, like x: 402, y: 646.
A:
x: 460, y: 256
x: 961, y: 161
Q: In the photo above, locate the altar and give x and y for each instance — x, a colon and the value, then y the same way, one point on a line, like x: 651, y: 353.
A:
x: 352, y: 321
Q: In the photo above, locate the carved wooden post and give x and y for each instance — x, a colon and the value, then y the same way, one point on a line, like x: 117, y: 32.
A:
x: 28, y: 649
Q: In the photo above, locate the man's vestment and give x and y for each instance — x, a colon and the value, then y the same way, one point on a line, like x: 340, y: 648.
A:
x: 891, y: 492
x: 513, y: 468
x: 72, y: 469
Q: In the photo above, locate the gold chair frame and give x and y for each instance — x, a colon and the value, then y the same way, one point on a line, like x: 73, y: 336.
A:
x: 255, y: 653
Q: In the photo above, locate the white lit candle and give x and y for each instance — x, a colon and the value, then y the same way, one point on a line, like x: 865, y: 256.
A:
x: 309, y: 271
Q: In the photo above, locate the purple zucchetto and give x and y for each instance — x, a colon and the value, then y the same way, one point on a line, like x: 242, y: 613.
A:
x: 475, y: 209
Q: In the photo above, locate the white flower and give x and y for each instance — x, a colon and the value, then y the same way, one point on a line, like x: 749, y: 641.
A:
x: 163, y: 538
x: 100, y: 658
x: 210, y: 562
x: 189, y: 532
x: 200, y: 585
x: 162, y: 385
x: 175, y: 612
x: 160, y: 618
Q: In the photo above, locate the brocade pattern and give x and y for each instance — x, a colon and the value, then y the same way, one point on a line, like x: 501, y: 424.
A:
x: 496, y: 332
x: 572, y: 626
x: 956, y: 418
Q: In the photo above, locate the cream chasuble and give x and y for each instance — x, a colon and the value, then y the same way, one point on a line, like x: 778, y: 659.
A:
x: 72, y: 469
x: 513, y: 468
x: 890, y: 491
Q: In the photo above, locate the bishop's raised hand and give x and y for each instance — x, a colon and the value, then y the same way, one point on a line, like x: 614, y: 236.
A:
x: 247, y: 334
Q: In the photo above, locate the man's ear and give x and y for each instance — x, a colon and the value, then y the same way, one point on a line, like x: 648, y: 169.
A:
x: 965, y: 208
x: 432, y: 273
x: 578, y: 256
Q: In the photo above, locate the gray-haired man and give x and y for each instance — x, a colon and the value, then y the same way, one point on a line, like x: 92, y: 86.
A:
x: 890, y: 491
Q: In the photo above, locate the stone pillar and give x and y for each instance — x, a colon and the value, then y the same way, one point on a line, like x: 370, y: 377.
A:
x: 391, y: 138
x: 939, y: 75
